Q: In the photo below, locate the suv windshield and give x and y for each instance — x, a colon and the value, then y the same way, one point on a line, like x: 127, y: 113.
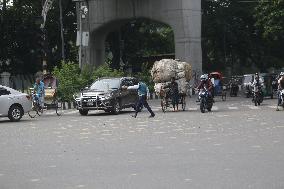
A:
x: 105, y: 84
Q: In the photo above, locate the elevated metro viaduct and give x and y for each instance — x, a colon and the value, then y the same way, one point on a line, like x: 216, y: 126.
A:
x: 105, y: 16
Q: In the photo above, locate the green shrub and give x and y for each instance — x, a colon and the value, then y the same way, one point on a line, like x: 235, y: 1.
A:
x: 68, y: 75
x: 86, y: 76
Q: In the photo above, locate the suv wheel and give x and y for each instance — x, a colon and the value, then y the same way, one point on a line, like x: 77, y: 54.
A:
x: 83, y: 112
x: 15, y: 113
x: 116, y: 107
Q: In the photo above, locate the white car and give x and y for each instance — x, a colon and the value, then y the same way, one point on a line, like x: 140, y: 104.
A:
x: 13, y: 104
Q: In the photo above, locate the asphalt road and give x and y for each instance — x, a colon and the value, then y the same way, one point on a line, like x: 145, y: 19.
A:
x: 237, y: 145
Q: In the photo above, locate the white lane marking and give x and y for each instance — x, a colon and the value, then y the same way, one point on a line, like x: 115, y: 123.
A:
x: 215, y: 108
x: 80, y: 186
x: 254, y: 107
x: 233, y: 108
x: 71, y: 112
x: 192, y: 109
x: 34, y: 180
x: 273, y: 107
x: 49, y: 113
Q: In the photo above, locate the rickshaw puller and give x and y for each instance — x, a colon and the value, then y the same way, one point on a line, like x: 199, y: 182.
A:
x: 174, y: 92
x: 39, y: 91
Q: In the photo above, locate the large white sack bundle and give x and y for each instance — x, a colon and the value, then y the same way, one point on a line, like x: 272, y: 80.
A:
x: 183, y: 85
x: 164, y: 70
x: 184, y: 71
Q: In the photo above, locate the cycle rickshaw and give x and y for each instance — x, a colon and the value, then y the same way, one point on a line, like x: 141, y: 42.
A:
x: 51, y: 99
x: 166, y: 99
x: 219, y: 88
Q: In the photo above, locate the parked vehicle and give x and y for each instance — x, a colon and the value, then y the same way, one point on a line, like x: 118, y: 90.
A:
x: 246, y: 84
x: 206, y: 101
x: 268, y: 84
x: 13, y: 104
x: 107, y: 94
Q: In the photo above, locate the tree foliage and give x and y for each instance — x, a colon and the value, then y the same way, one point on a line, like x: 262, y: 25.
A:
x: 270, y: 19
x: 232, y: 40
x: 20, y: 35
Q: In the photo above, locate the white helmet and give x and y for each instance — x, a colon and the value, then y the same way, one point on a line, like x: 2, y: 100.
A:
x: 282, y: 74
x: 203, y: 77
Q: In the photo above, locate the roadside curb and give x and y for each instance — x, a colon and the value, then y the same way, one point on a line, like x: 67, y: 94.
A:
x: 69, y: 105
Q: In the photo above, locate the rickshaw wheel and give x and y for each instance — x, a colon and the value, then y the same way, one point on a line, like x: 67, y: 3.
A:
x: 33, y: 112
x: 39, y: 111
x: 164, y: 104
x: 224, y: 96
x: 59, y: 107
x: 183, y: 103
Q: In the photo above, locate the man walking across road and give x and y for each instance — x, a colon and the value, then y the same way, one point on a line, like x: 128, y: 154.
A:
x: 142, y: 92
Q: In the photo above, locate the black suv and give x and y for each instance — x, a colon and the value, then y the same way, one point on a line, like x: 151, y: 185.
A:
x: 108, y: 94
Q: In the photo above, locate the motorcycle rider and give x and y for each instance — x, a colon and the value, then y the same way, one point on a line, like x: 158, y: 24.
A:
x: 280, y: 86
x: 206, y: 83
x: 257, y: 83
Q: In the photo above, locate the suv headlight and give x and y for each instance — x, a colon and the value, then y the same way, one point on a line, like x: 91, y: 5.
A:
x: 107, y: 96
x: 77, y: 96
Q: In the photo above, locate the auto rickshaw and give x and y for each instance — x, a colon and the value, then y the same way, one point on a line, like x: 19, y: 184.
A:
x: 267, y: 89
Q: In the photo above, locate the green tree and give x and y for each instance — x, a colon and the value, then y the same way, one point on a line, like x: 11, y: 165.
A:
x: 230, y: 38
x: 19, y: 35
x: 270, y: 19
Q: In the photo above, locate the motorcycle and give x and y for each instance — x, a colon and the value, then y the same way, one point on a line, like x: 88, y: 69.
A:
x: 206, y: 100
x: 234, y: 89
x: 248, y: 91
x: 281, y: 96
x: 257, y: 96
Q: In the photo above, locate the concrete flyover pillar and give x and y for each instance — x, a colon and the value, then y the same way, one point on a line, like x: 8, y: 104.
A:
x: 5, y: 79
x: 184, y: 16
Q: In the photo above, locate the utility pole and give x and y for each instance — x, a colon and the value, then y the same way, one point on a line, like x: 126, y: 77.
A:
x: 82, y: 13
x: 61, y: 31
